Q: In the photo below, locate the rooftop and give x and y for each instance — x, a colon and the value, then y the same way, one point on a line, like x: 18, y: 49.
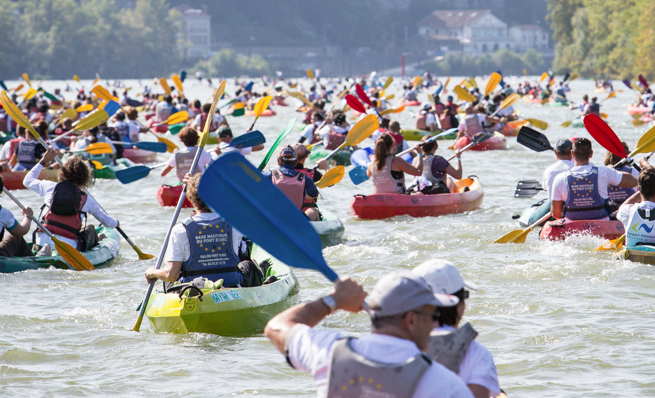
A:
x: 453, y: 18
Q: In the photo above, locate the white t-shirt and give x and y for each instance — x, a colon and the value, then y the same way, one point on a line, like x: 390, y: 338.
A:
x: 217, y: 120
x: 310, y: 351
x: 7, y: 220
x: 308, y: 132
x: 134, y: 129
x: 606, y: 176
x: 178, y: 248
x: 224, y: 146
x: 478, y: 366
x: 46, y: 189
x: 552, y: 171
x: 205, y: 159
x: 4, y: 153
x: 505, y: 111
x: 430, y: 119
x: 623, y: 215
x: 481, y: 119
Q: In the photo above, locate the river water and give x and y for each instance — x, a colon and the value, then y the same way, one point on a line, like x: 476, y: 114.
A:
x: 559, y: 319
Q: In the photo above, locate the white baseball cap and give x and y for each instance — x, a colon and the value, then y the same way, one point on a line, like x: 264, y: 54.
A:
x: 443, y: 276
x: 427, y: 105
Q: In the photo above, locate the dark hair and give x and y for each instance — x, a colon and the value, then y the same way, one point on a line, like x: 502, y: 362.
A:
x: 206, y: 108
x: 192, y: 194
x: 188, y: 136
x: 168, y: 99
x: 383, y: 150
x: 646, y: 182
x: 582, y: 149
x: 43, y: 108
x: 594, y: 99
x: 21, y: 131
x: 340, y: 119
x: 447, y: 316
x: 611, y: 159
x: 75, y: 171
x: 42, y: 128
x: 429, y: 146
x: 385, y: 123
x: 2, y: 184
x: 197, y: 104
x: 319, y: 116
x: 120, y: 116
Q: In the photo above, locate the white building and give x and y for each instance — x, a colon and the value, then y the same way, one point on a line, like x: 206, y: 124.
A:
x: 529, y: 36
x: 197, y: 30
x: 478, y: 31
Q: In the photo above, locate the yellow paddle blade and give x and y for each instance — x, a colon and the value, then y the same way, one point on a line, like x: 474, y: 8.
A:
x: 346, y: 108
x: 646, y: 143
x: 103, y: 93
x: 333, y: 176
x: 463, y: 94
x: 525, y: 72
x: 84, y: 108
x: 170, y: 147
x: 634, y: 116
x: 516, y: 236
x: 99, y: 148
x: 611, y: 95
x: 69, y: 113
x: 390, y: 97
x: 293, y: 85
x: 142, y: 255
x: 73, y: 257
x: 446, y: 84
x: 362, y: 130
x: 91, y: 120
x: 638, y: 122
x: 239, y: 105
x: 386, y: 112
x: 544, y: 101
x: 97, y: 165
x: 96, y: 80
x: 538, y: 123
x: 604, y: 115
x: 517, y: 124
x: 468, y: 84
x: 550, y: 83
x: 473, y: 82
x: 218, y: 94
x: 164, y: 84
x: 387, y: 83
x: 310, y: 74
x: 492, y: 83
x: 29, y: 93
x: 262, y: 105
x: 27, y: 79
x: 77, y: 79
x: 16, y: 114
x: 178, y: 83
x: 614, y: 244
x: 17, y: 88
x: 399, y: 109
x: 543, y: 76
x: 303, y: 99
x: 178, y: 117
x: 509, y: 101
x: 567, y: 123
x: 418, y: 81
x: 573, y: 76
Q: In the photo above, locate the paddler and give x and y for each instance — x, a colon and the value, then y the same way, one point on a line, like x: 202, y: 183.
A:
x: 436, y: 169
x: 308, y: 132
x: 205, y: 246
x: 581, y: 106
x: 450, y: 104
x: 181, y: 161
x: 472, y: 123
x: 12, y: 243
x: 298, y: 187
x: 134, y: 125
x: 67, y: 203
x: 335, y: 131
x: 225, y: 137
x: 217, y: 121
x: 425, y: 119
x: 454, y: 346
x: 593, y: 108
x: 581, y: 193
x: 28, y: 151
x: 302, y: 152
x: 618, y: 195
x: 163, y: 110
x: 448, y: 119
x: 637, y: 213
x: 387, y: 171
x: 386, y: 363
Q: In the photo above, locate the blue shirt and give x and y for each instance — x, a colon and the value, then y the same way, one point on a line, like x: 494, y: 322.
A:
x: 288, y: 170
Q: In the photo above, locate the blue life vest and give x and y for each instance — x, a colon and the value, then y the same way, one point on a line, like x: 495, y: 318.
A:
x: 212, y: 253
x: 620, y: 194
x: 584, y: 201
x: 25, y: 154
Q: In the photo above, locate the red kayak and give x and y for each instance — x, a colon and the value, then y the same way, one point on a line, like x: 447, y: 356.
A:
x: 375, y: 207
x: 14, y: 179
x: 497, y: 142
x: 162, y: 128
x: 280, y: 101
x: 561, y: 229
x: 168, y: 196
x: 410, y: 103
x: 139, y: 155
x: 638, y: 109
x: 508, y: 131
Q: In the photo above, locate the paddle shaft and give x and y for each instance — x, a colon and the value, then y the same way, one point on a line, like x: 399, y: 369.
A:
x: 406, y: 151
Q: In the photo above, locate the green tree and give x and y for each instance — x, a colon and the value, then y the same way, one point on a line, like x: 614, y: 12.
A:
x: 10, y: 53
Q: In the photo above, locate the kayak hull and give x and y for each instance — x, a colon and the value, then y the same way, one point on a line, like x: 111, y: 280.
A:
x: 497, y: 142
x: 109, y: 172
x: 561, y: 229
x: 139, y: 155
x: 100, y: 256
x: 14, y: 180
x: 380, y: 206
x: 227, y: 312
x: 508, y: 131
x: 577, y: 123
x: 340, y: 159
x: 168, y: 196
x: 410, y: 103
x: 162, y: 128
x: 639, y: 254
x: 280, y: 102
x: 417, y: 135
x: 266, y: 113
x: 638, y: 109
x: 330, y: 228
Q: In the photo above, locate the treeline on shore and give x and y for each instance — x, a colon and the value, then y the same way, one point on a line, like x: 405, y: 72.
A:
x: 505, y: 61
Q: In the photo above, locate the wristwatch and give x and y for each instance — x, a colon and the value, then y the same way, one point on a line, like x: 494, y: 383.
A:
x: 329, y: 302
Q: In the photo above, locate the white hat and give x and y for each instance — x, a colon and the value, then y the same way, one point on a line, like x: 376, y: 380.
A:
x: 442, y: 276
x: 427, y: 105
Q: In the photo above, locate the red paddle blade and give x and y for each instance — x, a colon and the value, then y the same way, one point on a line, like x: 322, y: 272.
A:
x: 355, y: 104
x: 643, y: 80
x: 362, y: 95
x: 604, y: 135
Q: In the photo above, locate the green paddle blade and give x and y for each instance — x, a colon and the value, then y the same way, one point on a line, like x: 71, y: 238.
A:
x: 239, y: 112
x: 277, y: 142
x: 175, y: 129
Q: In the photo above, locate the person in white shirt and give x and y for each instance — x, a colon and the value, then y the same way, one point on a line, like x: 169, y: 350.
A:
x: 581, y: 193
x: 181, y: 161
x: 454, y: 346
x: 134, y: 127
x: 225, y: 137
x: 637, y: 213
x: 564, y: 163
x: 200, y: 119
x: 386, y: 363
x: 425, y: 119
x: 308, y: 132
x: 12, y: 243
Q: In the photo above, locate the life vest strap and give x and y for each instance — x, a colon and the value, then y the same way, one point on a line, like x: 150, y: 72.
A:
x: 62, y: 226
x: 223, y: 270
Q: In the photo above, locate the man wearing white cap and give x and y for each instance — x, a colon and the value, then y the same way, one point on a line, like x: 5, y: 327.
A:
x: 452, y: 346
x: 387, y: 363
x: 425, y: 120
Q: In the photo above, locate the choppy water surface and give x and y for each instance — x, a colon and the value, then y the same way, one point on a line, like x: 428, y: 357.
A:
x: 559, y: 319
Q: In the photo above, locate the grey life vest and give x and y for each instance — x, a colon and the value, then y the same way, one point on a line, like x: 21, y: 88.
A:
x: 448, y: 347
x: 184, y: 161
x: 352, y: 375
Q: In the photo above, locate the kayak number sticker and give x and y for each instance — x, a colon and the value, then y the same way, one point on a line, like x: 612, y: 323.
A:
x: 227, y: 295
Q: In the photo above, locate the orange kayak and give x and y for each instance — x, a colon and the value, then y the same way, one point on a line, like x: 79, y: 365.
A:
x: 14, y: 179
x: 168, y: 196
x: 267, y: 112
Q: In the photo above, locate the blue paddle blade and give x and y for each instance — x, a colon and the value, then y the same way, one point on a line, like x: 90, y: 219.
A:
x: 358, y: 175
x: 132, y: 174
x: 4, y: 87
x: 502, y: 79
x: 249, y: 86
x: 248, y: 139
x: 232, y: 187
x: 436, y: 93
x: 152, y: 146
x: 111, y: 108
x: 183, y: 76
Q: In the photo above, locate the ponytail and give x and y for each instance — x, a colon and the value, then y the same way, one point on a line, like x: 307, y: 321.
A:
x: 382, y: 150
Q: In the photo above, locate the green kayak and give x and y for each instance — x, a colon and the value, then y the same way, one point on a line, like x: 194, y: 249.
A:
x: 100, y: 256
x: 577, y: 123
x: 227, y: 311
x: 557, y: 103
x: 109, y: 172
x: 417, y: 135
x: 330, y: 228
x: 341, y: 159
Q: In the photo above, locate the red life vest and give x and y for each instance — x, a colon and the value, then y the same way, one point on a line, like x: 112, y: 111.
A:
x: 203, y: 119
x: 310, y: 173
x: 13, y: 144
x: 396, y: 137
x: 293, y: 187
x: 420, y: 121
x: 65, y: 215
x: 439, y: 108
x: 334, y: 139
x: 445, y: 121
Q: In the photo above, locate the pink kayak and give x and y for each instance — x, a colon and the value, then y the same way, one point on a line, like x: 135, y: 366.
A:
x: 497, y: 142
